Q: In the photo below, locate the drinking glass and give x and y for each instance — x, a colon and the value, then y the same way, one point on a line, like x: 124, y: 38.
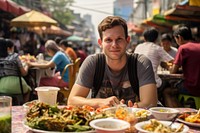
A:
x: 5, y: 114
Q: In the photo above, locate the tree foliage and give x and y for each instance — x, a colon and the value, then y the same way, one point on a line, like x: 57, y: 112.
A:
x: 60, y: 9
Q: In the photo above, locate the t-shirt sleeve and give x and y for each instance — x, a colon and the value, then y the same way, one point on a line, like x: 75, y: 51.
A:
x: 86, y: 72
x: 179, y: 57
x: 145, y: 71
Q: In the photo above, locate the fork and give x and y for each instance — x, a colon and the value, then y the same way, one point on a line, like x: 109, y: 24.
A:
x: 173, y: 120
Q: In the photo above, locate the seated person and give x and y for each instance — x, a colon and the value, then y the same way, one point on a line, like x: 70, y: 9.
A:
x: 68, y: 50
x: 187, y: 57
x: 9, y: 81
x: 116, y: 87
x: 156, y: 54
x: 59, y: 61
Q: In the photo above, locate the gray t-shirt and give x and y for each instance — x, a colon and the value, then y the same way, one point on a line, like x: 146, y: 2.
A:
x: 116, y: 84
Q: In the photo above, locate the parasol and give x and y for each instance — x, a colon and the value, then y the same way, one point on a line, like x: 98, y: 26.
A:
x: 33, y: 18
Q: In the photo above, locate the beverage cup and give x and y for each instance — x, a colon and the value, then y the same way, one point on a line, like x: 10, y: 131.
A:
x: 5, y: 114
x: 47, y: 94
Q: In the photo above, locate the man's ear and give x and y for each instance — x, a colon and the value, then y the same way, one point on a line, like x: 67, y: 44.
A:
x: 100, y: 43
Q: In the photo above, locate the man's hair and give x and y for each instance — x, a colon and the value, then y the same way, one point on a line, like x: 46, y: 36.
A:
x: 110, y: 22
x: 185, y: 32
x: 166, y: 36
x: 150, y: 34
x: 64, y: 42
x: 58, y: 39
x: 51, y: 45
x: 9, y: 43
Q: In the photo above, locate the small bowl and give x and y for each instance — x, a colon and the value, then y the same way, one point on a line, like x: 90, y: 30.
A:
x: 164, y: 113
x: 29, y: 104
x: 140, y: 114
x: 109, y: 125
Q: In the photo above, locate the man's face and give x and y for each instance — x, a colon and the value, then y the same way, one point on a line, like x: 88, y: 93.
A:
x: 114, y: 43
x: 165, y: 43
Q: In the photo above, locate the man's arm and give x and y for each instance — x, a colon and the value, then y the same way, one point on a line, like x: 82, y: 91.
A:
x: 148, y: 96
x: 174, y: 68
x: 78, y: 96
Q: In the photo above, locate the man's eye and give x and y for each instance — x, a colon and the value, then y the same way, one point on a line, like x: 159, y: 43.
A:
x: 119, y: 40
x: 108, y: 41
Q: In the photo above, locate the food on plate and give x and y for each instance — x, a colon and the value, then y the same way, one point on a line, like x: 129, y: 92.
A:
x: 142, y: 113
x: 66, y: 119
x: 27, y: 57
x: 158, y: 127
x: 191, y: 117
x: 121, y: 113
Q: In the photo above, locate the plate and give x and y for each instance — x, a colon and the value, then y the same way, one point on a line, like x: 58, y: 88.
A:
x: 43, y: 131
x: 188, y: 123
x: 139, y: 125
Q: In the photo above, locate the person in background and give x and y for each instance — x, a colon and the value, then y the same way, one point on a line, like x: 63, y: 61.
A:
x: 10, y: 84
x: 80, y: 53
x: 156, y: 54
x: 166, y: 43
x: 30, y: 47
x: 57, y: 40
x: 115, y: 87
x: 68, y: 50
x: 14, y: 38
x: 59, y: 61
x: 187, y: 57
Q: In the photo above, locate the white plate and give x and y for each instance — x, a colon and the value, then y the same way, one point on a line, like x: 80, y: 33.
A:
x: 43, y: 131
x: 139, y: 125
x: 189, y: 123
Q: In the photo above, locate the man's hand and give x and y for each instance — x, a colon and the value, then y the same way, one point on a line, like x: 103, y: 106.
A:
x: 111, y: 101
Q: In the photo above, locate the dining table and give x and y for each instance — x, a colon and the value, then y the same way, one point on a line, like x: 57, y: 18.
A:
x: 19, y: 114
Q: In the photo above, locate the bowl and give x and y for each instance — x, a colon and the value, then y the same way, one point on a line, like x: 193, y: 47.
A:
x: 141, y: 126
x: 164, y: 113
x: 113, y: 109
x: 109, y: 125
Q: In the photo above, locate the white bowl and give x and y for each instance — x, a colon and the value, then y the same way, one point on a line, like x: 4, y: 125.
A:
x: 109, y: 125
x: 139, y: 126
x: 164, y: 113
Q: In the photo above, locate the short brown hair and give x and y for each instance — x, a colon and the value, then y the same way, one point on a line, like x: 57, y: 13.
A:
x: 110, y: 22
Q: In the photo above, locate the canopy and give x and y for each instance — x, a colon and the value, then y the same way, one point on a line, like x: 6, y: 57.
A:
x: 74, y: 38
x: 33, y: 18
x: 134, y: 28
x: 12, y: 7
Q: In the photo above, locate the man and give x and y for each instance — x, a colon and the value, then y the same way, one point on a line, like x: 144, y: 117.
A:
x: 188, y: 58
x: 166, y: 43
x: 153, y: 51
x: 68, y: 50
x: 115, y: 86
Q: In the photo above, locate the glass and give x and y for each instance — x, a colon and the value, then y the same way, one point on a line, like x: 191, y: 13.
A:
x: 5, y: 114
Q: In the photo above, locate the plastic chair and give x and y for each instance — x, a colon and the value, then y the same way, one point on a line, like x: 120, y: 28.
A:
x: 64, y: 92
x: 189, y: 101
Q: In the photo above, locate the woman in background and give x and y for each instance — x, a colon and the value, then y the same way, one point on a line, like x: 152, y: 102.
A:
x: 59, y: 61
x: 9, y: 80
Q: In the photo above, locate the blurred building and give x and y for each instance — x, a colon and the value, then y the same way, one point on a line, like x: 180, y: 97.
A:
x: 123, y: 8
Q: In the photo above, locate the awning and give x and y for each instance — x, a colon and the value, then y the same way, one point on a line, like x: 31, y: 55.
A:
x: 184, y: 11
x: 54, y: 30
x: 12, y: 7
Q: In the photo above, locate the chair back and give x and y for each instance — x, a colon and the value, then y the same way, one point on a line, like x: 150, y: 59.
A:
x: 9, y: 68
x: 77, y: 66
x: 66, y: 90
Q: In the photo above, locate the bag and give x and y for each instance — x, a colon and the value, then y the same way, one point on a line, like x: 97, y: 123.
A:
x: 100, y: 69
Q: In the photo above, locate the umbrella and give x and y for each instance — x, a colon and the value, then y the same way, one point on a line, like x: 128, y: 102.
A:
x: 74, y: 38
x: 33, y: 18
